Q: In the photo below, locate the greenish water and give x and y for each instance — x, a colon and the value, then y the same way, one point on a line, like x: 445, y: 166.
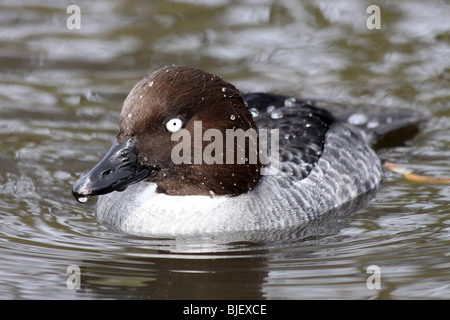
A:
x: 61, y: 92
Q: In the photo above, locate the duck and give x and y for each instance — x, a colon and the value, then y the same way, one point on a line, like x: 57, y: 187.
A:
x: 193, y: 155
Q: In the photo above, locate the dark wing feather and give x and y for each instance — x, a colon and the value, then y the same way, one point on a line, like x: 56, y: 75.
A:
x: 302, y: 129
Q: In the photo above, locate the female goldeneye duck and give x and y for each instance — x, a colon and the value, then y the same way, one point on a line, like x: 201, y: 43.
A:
x: 194, y: 155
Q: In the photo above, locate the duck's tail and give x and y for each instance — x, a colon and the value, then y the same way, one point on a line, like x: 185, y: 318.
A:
x: 378, y: 126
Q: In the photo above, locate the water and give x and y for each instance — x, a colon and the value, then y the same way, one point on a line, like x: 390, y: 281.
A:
x: 61, y: 92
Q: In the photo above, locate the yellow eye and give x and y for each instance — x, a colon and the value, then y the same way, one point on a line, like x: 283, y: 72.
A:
x: 174, y: 125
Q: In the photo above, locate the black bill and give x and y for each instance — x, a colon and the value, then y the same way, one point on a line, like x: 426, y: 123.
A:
x: 118, y: 169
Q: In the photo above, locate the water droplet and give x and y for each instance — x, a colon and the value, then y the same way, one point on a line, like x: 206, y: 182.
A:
x: 372, y: 124
x: 140, y: 97
x: 82, y: 199
x: 232, y: 117
x: 308, y: 125
x: 357, y: 119
x: 276, y: 114
x: 129, y: 115
x: 150, y: 84
x: 224, y: 89
x: 290, y: 102
x: 212, y: 194
x: 270, y: 109
x: 254, y: 112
